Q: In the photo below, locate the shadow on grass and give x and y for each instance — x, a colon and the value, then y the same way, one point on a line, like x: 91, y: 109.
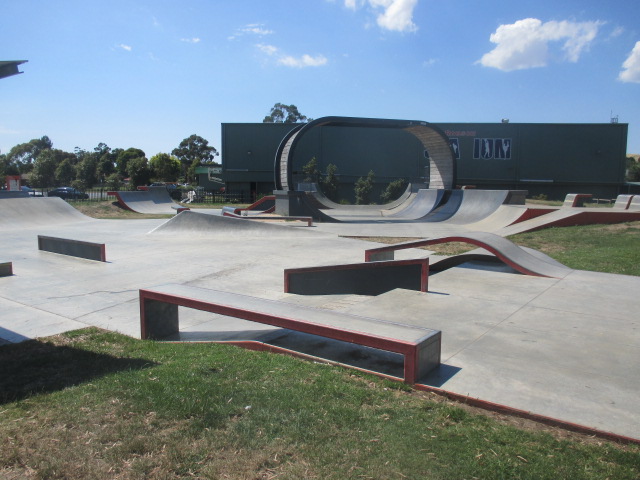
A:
x: 35, y: 367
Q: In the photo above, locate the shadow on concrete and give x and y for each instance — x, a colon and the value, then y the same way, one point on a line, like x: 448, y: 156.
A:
x: 440, y: 376
x: 34, y: 367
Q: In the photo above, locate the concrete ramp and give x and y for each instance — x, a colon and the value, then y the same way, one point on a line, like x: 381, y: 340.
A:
x: 325, y: 203
x: 569, y: 217
x: 507, y: 215
x: 423, y: 203
x: 193, y: 224
x: 33, y: 212
x: 522, y: 260
x: 453, y: 200
x: 477, y: 205
x: 155, y: 201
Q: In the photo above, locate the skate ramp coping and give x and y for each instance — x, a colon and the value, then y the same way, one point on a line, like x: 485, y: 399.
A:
x: 518, y: 258
x: 159, y: 318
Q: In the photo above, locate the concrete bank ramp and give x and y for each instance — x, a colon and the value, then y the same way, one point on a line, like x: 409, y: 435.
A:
x: 156, y: 200
x: 420, y: 205
x: 192, y: 223
x: 34, y: 212
x: 525, y: 261
x: 325, y: 203
x: 477, y: 205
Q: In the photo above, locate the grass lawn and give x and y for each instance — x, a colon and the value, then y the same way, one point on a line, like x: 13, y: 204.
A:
x: 99, y: 405
x: 598, y: 248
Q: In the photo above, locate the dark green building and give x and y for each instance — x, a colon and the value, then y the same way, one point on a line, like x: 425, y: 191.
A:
x: 550, y: 159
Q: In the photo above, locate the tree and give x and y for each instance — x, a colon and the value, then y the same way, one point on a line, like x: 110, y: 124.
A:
x: 311, y: 171
x: 363, y: 189
x: 7, y: 167
x: 65, y: 172
x: 194, y: 150
x: 393, y: 190
x: 113, y: 182
x: 86, y: 172
x: 633, y: 170
x: 330, y: 183
x: 164, y: 167
x: 43, y: 173
x: 106, y: 161
x: 281, y: 113
x: 139, y: 171
x: 125, y: 156
x: 24, y: 154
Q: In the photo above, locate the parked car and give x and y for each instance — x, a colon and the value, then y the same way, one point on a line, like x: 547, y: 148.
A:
x: 67, y: 193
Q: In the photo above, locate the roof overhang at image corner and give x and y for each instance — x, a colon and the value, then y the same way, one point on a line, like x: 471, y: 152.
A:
x: 9, y: 68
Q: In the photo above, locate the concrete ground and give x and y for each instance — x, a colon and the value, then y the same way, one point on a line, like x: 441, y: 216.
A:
x: 565, y: 348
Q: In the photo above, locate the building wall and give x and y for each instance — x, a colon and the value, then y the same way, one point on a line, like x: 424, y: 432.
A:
x: 550, y: 159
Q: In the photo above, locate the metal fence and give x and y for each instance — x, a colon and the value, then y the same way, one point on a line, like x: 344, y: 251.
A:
x: 199, y: 196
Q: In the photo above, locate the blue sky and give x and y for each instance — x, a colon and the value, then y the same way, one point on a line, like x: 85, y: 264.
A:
x: 149, y: 73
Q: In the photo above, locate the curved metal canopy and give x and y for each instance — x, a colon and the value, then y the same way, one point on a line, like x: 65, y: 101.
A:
x: 442, y: 171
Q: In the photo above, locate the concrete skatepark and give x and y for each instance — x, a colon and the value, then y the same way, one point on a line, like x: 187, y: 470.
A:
x: 563, y: 346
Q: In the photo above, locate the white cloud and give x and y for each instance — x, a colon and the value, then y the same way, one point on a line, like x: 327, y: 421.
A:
x: 268, y: 49
x: 190, y: 40
x: 617, y: 32
x: 303, y: 61
x: 251, y: 29
x: 256, y: 29
x: 291, y: 61
x: 128, y: 48
x: 631, y: 66
x: 397, y: 15
x: 525, y: 43
x: 352, y: 4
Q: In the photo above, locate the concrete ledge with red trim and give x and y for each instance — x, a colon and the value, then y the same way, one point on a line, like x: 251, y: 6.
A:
x: 524, y: 261
x: 74, y: 248
x: 309, y: 220
x: 576, y: 199
x: 421, y: 347
x: 266, y: 204
x: 6, y: 269
x: 358, y: 278
x: 623, y: 202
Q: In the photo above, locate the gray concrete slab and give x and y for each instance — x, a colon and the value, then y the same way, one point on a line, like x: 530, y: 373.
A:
x: 566, y: 348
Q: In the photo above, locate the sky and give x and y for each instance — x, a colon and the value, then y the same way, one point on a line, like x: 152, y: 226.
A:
x: 149, y: 73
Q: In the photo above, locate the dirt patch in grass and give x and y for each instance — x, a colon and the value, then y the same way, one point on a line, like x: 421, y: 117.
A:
x: 110, y: 210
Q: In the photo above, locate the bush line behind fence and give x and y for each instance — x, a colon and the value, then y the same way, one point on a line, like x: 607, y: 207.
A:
x: 101, y: 195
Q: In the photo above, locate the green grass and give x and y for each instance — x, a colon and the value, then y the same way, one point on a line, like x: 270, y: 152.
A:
x: 125, y: 408
x: 599, y: 248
